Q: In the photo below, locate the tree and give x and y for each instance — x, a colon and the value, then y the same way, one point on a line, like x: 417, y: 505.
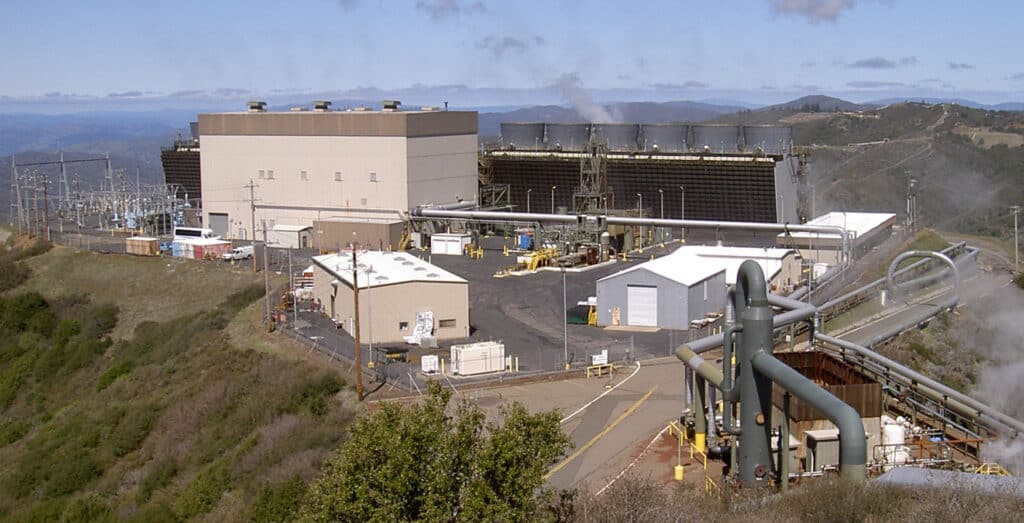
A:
x: 422, y: 463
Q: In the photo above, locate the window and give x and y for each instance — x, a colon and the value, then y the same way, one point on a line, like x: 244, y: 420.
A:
x: 373, y: 177
x: 270, y: 174
x: 446, y: 324
x: 261, y: 173
x: 304, y: 176
x: 337, y: 176
x: 362, y: 201
x: 403, y: 325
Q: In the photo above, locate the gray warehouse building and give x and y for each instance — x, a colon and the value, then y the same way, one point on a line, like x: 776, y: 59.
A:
x: 667, y: 292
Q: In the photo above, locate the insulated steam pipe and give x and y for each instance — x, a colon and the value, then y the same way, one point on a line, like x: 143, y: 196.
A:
x: 891, y: 282
x: 932, y: 388
x: 623, y: 220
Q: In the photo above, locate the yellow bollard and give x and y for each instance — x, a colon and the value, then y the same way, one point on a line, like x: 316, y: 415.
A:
x: 700, y: 441
x: 677, y: 473
x: 442, y: 366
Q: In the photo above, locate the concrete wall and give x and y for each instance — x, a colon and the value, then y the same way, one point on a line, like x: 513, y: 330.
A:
x: 677, y: 304
x: 336, y: 234
x: 345, y: 176
x: 389, y: 305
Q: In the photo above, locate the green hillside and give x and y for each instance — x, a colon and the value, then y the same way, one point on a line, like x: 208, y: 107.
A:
x: 106, y: 414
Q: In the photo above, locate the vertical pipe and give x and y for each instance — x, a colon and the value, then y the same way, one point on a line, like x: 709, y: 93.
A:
x: 700, y: 423
x: 784, y: 444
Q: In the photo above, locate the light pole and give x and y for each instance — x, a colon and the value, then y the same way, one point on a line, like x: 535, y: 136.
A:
x: 553, y: 187
x: 640, y: 214
x: 1016, y: 248
x: 682, y: 211
x: 565, y: 324
x: 528, y: 191
x: 661, y: 196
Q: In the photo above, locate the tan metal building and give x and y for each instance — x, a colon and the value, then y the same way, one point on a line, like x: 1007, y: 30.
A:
x: 332, y: 165
x: 393, y: 288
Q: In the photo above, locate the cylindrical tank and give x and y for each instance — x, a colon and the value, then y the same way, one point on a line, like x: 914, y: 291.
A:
x: 605, y: 240
x: 567, y: 136
x: 620, y: 136
x: 771, y: 139
x: 522, y: 136
x: 718, y: 138
x: 664, y: 137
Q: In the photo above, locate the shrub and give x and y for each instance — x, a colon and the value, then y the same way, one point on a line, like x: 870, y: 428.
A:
x: 202, y: 494
x: 87, y: 509
x: 114, y: 372
x: 159, y: 476
x: 279, y: 503
x: 12, y: 274
x: 11, y: 432
x: 133, y: 428
x: 314, y: 395
x: 71, y: 472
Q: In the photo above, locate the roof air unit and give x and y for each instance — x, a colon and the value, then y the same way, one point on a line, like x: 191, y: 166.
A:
x: 390, y: 105
x: 322, y: 106
x: 257, y: 107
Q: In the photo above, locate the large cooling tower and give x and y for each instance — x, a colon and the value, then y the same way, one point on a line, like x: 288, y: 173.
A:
x: 568, y: 136
x: 620, y: 136
x: 771, y: 139
x: 668, y: 137
x: 719, y: 138
x: 523, y: 136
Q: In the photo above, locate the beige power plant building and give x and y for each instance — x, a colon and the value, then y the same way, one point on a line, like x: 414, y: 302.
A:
x: 396, y: 290
x: 341, y: 172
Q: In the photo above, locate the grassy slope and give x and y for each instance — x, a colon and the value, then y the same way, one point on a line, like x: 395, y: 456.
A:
x: 173, y: 420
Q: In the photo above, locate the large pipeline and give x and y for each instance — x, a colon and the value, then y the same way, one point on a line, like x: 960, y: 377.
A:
x: 931, y: 388
x: 757, y: 369
x: 623, y: 220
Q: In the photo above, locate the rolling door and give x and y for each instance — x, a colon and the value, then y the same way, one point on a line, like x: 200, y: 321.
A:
x: 642, y: 305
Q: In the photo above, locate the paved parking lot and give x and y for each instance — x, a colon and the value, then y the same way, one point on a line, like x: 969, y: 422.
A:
x: 524, y: 312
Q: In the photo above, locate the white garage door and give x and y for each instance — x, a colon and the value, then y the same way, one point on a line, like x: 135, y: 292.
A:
x: 641, y: 305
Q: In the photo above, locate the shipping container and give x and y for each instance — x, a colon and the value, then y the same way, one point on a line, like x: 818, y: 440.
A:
x: 478, y: 358
x: 142, y: 246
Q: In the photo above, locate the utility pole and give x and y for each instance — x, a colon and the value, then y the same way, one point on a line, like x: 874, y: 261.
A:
x: 682, y: 211
x: 252, y: 210
x: 266, y: 273
x: 46, y: 209
x: 35, y: 205
x: 355, y: 314
x: 17, y: 192
x: 1016, y: 247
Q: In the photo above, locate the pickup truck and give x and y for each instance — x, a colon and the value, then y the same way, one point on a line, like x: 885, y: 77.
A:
x: 243, y: 252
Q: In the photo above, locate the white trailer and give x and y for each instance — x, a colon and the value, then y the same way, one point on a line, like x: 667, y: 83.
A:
x: 478, y: 358
x: 449, y: 243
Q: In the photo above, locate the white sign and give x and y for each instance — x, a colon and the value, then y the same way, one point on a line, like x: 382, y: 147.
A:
x: 599, y: 359
x: 429, y: 364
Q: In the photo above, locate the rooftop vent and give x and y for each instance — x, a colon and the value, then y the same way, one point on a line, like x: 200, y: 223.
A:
x: 360, y: 109
x: 433, y: 275
x: 420, y: 269
x: 298, y: 109
x: 257, y: 107
x: 429, y: 108
x: 390, y: 105
x: 322, y: 106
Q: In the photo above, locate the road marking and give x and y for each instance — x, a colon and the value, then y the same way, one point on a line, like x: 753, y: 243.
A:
x: 634, y: 462
x: 603, y: 394
x: 601, y: 434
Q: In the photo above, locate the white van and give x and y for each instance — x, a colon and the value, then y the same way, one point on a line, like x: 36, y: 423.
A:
x: 243, y: 252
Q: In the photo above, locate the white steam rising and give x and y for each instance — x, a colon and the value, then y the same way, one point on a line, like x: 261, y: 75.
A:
x: 573, y: 92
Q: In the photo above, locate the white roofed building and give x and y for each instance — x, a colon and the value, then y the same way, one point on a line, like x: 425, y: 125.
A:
x: 781, y: 266
x: 866, y: 230
x: 394, y: 287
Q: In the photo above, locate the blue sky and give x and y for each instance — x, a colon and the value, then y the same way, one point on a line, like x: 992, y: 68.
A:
x: 486, y: 52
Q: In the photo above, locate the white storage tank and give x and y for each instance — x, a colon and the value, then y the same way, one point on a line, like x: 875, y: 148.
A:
x: 478, y: 358
x: 893, y: 449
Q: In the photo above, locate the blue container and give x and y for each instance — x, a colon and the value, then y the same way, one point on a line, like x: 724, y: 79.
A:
x: 525, y: 242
